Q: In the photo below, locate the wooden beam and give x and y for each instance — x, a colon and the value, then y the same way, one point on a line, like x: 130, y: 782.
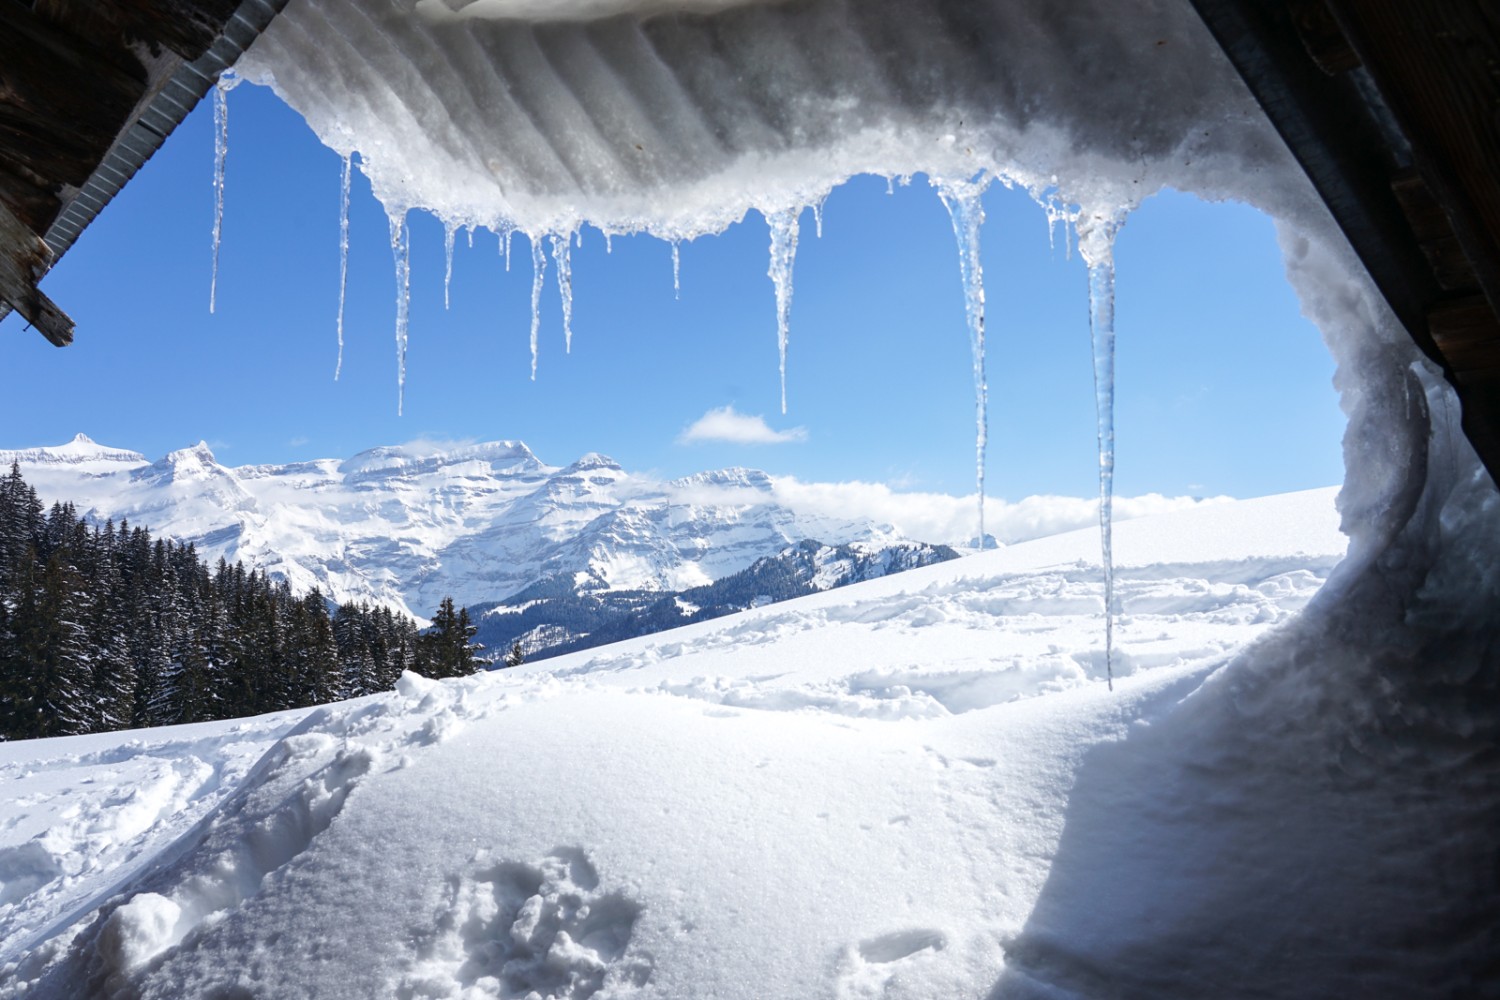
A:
x: 1437, y: 65
x: 19, y: 270
x: 1390, y: 106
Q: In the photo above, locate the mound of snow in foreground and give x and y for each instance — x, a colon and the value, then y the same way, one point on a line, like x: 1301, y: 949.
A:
x: 855, y: 794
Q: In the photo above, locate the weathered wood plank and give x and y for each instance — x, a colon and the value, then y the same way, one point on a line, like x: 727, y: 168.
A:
x: 63, y: 100
x: 1466, y: 331
x: 184, y: 27
x: 1322, y: 36
x: 1434, y: 233
x: 26, y: 259
x: 1437, y: 64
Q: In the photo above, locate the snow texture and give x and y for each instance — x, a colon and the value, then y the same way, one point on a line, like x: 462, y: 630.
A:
x: 855, y: 794
x: 1291, y: 791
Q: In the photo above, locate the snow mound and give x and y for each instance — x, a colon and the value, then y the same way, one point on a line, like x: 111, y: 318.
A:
x: 856, y: 794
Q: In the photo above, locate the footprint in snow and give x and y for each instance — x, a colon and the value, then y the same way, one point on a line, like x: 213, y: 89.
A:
x: 514, y: 930
x: 868, y: 969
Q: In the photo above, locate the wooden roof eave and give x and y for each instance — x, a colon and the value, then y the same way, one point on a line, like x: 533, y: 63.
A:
x: 1389, y: 106
x: 174, y: 87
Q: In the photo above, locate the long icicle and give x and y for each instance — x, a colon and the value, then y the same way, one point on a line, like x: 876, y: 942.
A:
x: 400, y: 248
x: 343, y: 260
x: 561, y: 254
x: 450, y: 232
x: 538, y: 271
x: 676, y: 270
x: 783, y: 226
x: 1096, y: 245
x: 964, y: 201
x: 221, y: 151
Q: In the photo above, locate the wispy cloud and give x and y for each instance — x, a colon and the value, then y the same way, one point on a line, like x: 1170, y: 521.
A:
x: 939, y: 517
x: 299, y: 442
x: 727, y: 424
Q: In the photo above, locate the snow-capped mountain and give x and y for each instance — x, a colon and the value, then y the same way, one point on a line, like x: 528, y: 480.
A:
x: 548, y: 618
x: 405, y: 526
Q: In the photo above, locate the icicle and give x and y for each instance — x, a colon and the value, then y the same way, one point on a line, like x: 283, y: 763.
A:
x: 505, y: 246
x: 538, y: 271
x: 343, y: 259
x: 783, y: 227
x: 818, y: 216
x: 449, y: 232
x: 1096, y: 244
x: 964, y: 201
x: 470, y: 230
x: 890, y: 184
x: 609, y: 242
x: 221, y: 150
x: 677, y: 270
x: 400, y: 248
x: 563, y: 256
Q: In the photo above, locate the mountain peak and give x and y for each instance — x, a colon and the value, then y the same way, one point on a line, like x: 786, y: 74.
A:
x: 81, y: 449
x: 426, y: 456
x: 735, y: 477
x: 198, y: 454
x: 594, y: 460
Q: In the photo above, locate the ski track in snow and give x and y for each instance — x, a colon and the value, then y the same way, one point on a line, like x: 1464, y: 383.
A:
x: 130, y: 858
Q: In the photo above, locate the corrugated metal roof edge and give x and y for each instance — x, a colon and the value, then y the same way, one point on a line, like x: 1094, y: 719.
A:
x: 152, y: 123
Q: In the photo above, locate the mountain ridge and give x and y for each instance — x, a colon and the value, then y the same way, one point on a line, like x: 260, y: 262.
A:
x: 405, y: 525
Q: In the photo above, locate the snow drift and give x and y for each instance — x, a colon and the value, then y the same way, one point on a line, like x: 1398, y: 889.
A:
x: 1314, y: 818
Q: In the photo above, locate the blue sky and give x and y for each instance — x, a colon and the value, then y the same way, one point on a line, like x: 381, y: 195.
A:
x: 1222, y: 387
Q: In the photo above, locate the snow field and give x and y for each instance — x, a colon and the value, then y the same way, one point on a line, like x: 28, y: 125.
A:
x: 856, y: 794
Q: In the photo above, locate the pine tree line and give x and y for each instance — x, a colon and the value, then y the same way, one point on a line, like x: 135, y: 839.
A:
x: 104, y: 628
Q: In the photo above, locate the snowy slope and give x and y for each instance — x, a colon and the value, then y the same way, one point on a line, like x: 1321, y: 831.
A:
x: 854, y: 794
x: 406, y: 526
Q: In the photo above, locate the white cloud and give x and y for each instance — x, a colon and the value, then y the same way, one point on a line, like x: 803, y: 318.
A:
x: 299, y: 442
x: 940, y: 517
x: 726, y: 424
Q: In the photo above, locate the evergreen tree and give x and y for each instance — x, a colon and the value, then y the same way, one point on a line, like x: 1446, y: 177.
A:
x: 104, y: 628
x: 450, y: 653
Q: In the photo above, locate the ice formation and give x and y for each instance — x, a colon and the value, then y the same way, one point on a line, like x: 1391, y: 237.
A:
x: 226, y: 83
x: 401, y: 249
x: 1097, y: 245
x: 783, y: 226
x: 562, y: 256
x: 450, y: 232
x: 343, y: 259
x: 966, y: 209
x: 538, y: 274
x: 1324, y: 801
x: 676, y: 269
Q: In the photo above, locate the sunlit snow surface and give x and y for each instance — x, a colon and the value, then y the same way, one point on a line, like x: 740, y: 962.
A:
x: 803, y: 807
x: 851, y: 795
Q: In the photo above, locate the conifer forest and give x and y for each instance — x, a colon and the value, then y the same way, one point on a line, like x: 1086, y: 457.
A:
x: 103, y: 627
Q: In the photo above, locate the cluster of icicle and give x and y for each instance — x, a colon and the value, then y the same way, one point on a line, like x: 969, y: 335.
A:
x: 963, y: 199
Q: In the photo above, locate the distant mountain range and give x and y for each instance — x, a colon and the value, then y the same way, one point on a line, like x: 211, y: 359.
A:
x: 489, y: 524
x: 550, y: 618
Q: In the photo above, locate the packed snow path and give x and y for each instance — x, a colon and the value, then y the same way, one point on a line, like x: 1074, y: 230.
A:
x: 853, y: 795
